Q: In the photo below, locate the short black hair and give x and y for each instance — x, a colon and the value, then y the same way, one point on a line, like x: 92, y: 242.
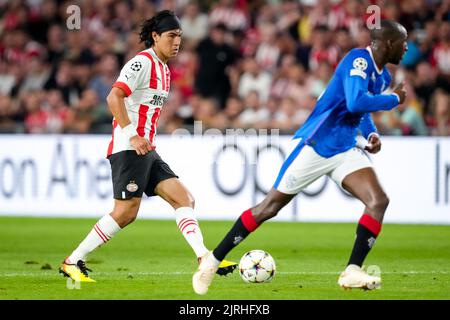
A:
x: 151, y: 25
x: 388, y: 30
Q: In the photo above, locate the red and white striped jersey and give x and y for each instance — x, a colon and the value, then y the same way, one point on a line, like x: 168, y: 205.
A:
x: 146, y: 82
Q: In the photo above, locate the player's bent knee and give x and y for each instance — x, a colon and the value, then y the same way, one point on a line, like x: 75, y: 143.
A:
x: 384, y: 201
x: 192, y: 203
x: 183, y: 201
x: 379, y: 203
x: 125, y: 214
x: 127, y: 217
x: 131, y: 218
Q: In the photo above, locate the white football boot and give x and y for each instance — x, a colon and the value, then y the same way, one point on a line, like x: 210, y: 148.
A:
x: 355, y: 277
x: 205, y: 273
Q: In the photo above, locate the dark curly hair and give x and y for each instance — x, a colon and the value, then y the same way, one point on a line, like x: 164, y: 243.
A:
x: 153, y: 24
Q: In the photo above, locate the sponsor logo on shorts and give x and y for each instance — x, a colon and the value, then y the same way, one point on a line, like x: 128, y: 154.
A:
x: 132, y: 186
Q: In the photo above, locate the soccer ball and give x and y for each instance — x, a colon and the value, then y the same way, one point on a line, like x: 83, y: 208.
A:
x: 257, y: 266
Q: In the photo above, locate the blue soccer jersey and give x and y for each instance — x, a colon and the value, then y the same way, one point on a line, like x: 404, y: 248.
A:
x: 344, y: 108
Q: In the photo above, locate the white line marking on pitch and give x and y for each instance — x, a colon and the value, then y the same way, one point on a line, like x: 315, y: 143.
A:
x: 178, y: 273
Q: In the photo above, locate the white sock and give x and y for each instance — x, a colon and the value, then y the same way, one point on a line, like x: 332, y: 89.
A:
x: 212, y: 261
x: 101, y: 233
x: 188, y: 225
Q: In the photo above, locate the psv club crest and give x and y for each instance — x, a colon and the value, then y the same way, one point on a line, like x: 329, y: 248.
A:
x: 132, y: 186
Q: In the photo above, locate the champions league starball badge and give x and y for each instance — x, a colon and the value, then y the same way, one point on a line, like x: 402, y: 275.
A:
x: 136, y: 66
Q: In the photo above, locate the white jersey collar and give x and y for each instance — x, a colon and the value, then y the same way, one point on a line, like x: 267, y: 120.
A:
x: 368, y: 48
x: 153, y: 53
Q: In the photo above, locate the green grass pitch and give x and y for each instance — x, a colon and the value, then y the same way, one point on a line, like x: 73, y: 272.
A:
x: 151, y: 260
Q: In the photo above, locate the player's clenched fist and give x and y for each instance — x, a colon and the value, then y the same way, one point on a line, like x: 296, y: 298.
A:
x: 141, y: 145
x: 401, y: 92
x: 374, y: 144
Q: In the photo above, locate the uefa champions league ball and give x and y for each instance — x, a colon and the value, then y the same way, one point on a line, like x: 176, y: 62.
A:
x: 257, y: 266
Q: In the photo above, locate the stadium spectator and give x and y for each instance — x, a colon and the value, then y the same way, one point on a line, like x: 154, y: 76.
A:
x: 11, y: 115
x: 227, y: 13
x: 298, y: 87
x: 82, y: 75
x: 439, y: 121
x: 214, y: 56
x: 343, y: 42
x: 233, y: 109
x: 281, y: 77
x: 253, y: 112
x: 38, y: 51
x: 36, y: 117
x: 182, y: 71
x: 440, y: 57
x: 7, y: 78
x: 56, y: 112
x: 321, y: 50
x: 63, y: 80
x: 254, y: 79
x: 288, y: 17
x: 424, y: 80
x: 354, y: 17
x: 363, y: 38
x: 55, y: 44
x: 107, y: 75
x: 272, y: 107
x: 205, y: 111
x: 186, y: 111
x: 289, y: 116
x: 41, y: 17
x: 83, y: 114
x: 443, y: 11
x: 37, y: 75
x: 194, y: 23
x: 319, y: 79
x: 427, y: 38
x: 413, y: 55
x: 268, y: 53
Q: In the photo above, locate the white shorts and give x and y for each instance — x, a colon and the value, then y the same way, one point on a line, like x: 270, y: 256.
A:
x: 303, y: 166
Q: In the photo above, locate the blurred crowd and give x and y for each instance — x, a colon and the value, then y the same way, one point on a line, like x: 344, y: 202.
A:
x: 243, y: 64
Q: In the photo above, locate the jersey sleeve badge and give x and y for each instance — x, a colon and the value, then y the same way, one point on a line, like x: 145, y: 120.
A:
x: 359, y: 65
x: 136, y: 66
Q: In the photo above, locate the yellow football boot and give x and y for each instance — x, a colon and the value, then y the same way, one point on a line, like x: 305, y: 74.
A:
x: 77, y: 272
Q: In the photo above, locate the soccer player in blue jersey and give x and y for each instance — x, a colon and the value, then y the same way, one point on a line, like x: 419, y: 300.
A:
x: 326, y: 144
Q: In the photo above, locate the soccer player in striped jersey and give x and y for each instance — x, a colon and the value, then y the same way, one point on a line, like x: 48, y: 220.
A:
x: 326, y: 144
x: 136, y: 101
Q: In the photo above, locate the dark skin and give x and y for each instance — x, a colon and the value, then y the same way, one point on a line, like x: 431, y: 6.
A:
x: 388, y: 47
